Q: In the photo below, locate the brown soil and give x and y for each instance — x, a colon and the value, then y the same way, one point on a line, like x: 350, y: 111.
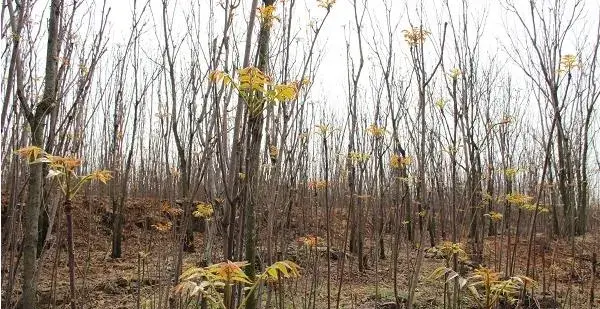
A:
x: 149, y: 254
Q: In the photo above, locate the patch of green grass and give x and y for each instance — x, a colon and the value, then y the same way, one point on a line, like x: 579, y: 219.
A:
x: 382, y: 294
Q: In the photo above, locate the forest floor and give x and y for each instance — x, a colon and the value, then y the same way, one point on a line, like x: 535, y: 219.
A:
x: 149, y: 254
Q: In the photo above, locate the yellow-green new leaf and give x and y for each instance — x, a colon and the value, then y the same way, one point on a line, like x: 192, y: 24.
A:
x: 102, y: 175
x: 287, y: 268
x: 31, y: 153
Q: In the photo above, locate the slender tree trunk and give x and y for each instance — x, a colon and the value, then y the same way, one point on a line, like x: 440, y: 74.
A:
x: 236, y: 148
x: 255, y: 130
x: 70, y: 251
x: 37, y: 124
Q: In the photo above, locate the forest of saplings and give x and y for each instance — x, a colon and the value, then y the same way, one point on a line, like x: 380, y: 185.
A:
x: 300, y: 154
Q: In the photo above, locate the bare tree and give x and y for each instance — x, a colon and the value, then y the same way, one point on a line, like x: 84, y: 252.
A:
x: 36, y: 117
x: 546, y: 27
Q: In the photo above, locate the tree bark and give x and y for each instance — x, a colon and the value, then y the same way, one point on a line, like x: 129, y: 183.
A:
x: 70, y: 250
x: 255, y: 132
x: 37, y: 125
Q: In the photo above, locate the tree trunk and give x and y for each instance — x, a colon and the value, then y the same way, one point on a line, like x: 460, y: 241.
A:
x: 255, y: 128
x: 230, y: 209
x: 70, y: 250
x: 37, y: 123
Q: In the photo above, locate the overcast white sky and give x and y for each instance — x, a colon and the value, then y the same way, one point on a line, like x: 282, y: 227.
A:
x: 329, y: 86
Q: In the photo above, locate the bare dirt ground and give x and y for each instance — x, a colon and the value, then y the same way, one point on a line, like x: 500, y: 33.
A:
x: 142, y: 274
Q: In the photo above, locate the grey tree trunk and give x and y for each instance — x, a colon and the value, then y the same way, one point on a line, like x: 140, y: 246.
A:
x: 255, y: 128
x: 37, y: 124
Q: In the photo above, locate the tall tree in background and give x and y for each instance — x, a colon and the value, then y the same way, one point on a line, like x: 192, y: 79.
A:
x: 467, y: 92
x: 586, y: 102
x: 542, y: 59
x: 355, y: 207
x: 118, y: 188
x: 416, y: 37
